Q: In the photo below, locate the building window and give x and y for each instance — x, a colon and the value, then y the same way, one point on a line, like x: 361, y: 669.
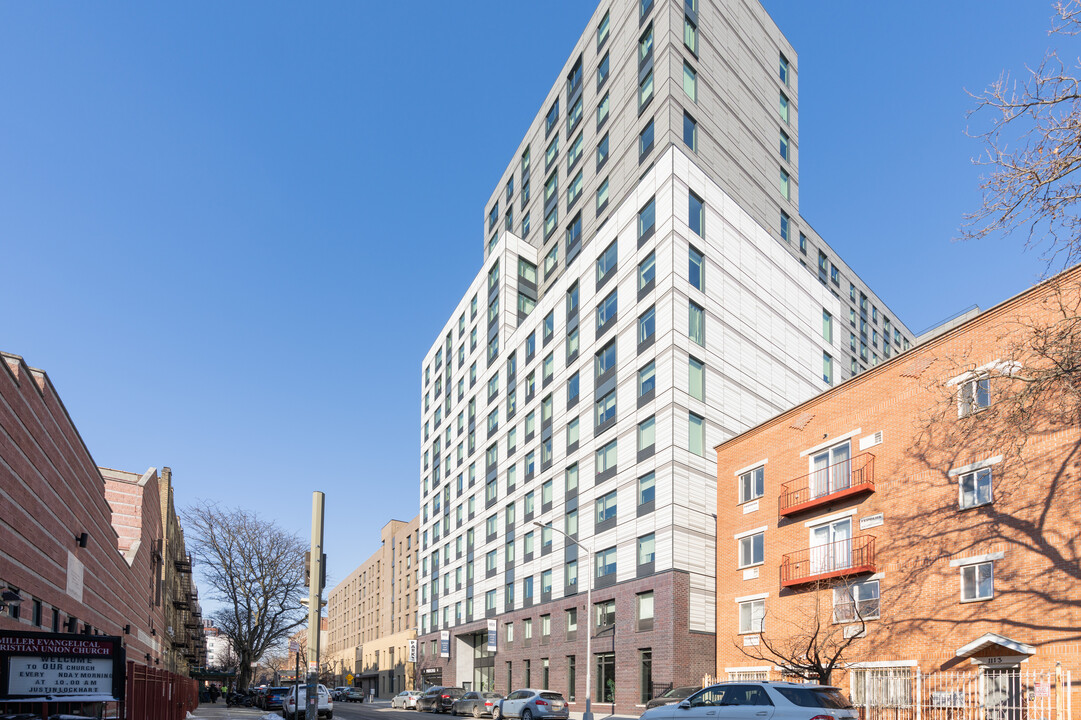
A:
x: 690, y: 82
x: 571, y: 477
x: 646, y: 545
x: 606, y: 564
x: 975, y: 488
x: 696, y: 323
x: 605, y: 359
x: 606, y: 458
x: 857, y: 601
x: 552, y: 117
x: 696, y: 267
x: 784, y: 146
x: 786, y: 224
x: 647, y: 379
x: 605, y: 691
x: 827, y: 326
x: 602, y: 31
x: 785, y: 185
x: 646, y: 488
x: 605, y: 507
x: 647, y: 218
x: 696, y: 434
x: 509, y: 631
x: 572, y: 389
x: 647, y: 325
x: 974, y: 395
x: 645, y: 140
x: 977, y: 581
x: 690, y: 132
x: 602, y: 72
x: 602, y: 196
x: 602, y: 111
x: 489, y: 601
x: 574, y: 115
x: 696, y: 381
x: 602, y: 151
x: 783, y: 72
x: 647, y: 434
x: 644, y: 6
x: 752, y: 615
x: 644, y: 610
x: 783, y: 108
x: 696, y: 215
x: 690, y: 35
x: 575, y: 152
x: 752, y: 484
x: 645, y: 91
x: 550, y: 155
x: 606, y: 310
x: 645, y: 46
x: 606, y: 263
x: 551, y: 261
x: 827, y: 368
x: 646, y: 271
x: 752, y: 550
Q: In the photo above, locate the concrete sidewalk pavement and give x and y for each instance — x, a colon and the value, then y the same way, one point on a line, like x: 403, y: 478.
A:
x: 219, y: 711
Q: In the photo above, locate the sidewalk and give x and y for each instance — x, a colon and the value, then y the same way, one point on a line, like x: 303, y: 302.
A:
x: 218, y: 711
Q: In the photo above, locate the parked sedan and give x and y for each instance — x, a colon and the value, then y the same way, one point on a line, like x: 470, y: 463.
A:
x: 406, y: 699
x: 439, y: 699
x: 476, y: 703
x: 529, y: 703
x: 672, y: 696
x: 354, y: 694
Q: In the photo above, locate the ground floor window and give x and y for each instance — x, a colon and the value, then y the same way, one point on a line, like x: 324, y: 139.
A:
x: 748, y: 675
x: 645, y: 675
x: 510, y: 678
x: 544, y: 673
x: 882, y: 687
x: 528, y: 680
x: 606, y: 678
x: 571, y: 679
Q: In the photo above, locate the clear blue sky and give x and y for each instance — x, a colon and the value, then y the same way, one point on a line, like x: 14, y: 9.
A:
x: 229, y: 231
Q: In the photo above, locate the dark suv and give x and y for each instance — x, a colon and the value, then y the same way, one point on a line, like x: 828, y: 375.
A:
x: 439, y: 699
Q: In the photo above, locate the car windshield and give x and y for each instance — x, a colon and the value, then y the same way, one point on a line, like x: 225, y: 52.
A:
x: 821, y: 697
x: 551, y: 696
x: 680, y: 692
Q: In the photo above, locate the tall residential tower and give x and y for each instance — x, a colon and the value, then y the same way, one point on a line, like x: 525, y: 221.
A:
x: 649, y: 289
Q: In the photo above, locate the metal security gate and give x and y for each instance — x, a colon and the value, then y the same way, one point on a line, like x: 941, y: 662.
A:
x: 985, y: 694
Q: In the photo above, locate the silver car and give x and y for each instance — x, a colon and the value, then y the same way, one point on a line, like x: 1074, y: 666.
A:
x: 758, y: 701
x: 406, y: 699
x: 529, y: 703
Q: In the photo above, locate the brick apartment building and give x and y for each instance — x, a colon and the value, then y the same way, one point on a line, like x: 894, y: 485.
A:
x: 79, y: 544
x: 926, y: 510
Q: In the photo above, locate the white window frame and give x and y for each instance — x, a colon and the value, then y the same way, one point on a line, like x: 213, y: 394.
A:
x: 850, y: 594
x: 748, y: 477
x: 976, y: 476
x: 972, y: 387
x: 751, y: 605
x: 974, y: 567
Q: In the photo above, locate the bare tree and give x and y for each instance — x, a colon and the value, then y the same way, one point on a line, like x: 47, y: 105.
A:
x: 256, y: 570
x: 814, y: 636
x: 1031, y: 129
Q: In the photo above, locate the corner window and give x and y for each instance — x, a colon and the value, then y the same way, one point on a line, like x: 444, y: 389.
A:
x: 786, y: 227
x: 603, y: 31
x: 783, y: 69
x: 696, y: 214
x: 827, y: 326
x: 784, y: 146
x: 647, y: 488
x: 647, y: 271
x: 783, y: 108
x: 645, y: 46
x: 602, y: 72
x: 647, y: 379
x: 785, y: 185
x: 690, y: 35
x: 647, y: 325
x: 696, y: 434
x: 647, y: 434
x: 696, y: 268
x: 827, y: 368
x: 690, y: 132
x: 646, y: 545
x: 696, y: 378
x: 602, y: 111
x: 552, y: 117
x: 602, y: 151
x: 645, y: 90
x: 696, y: 323
x: 647, y: 217
x: 645, y: 140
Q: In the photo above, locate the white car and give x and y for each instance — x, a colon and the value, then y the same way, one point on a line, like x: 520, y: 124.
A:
x: 406, y: 699
x: 291, y: 702
x: 760, y: 701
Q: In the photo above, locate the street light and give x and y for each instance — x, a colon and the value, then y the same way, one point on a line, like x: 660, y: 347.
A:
x: 588, y: 715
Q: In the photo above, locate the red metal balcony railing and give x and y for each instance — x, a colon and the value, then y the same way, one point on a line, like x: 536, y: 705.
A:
x: 836, y: 559
x: 828, y: 484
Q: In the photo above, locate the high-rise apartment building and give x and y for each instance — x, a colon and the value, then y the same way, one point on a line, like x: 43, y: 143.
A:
x: 648, y: 290
x: 371, y: 616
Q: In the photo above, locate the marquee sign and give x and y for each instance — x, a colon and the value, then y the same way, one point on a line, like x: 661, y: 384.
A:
x: 58, y: 666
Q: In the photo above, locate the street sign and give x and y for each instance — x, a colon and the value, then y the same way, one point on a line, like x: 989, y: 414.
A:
x: 294, y: 646
x: 349, y: 678
x: 412, y: 651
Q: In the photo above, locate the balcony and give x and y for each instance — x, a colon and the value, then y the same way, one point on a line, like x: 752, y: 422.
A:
x: 183, y: 565
x: 832, y: 560
x: 828, y: 485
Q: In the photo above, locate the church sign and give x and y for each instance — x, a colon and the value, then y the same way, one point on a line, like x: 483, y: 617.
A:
x: 56, y: 666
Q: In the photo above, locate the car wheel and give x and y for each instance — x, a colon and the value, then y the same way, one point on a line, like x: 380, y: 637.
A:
x: 496, y: 713
x: 527, y: 714
x: 476, y: 711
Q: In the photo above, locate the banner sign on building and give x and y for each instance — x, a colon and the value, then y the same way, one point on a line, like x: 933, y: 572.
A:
x: 36, y: 665
x: 444, y: 643
x: 493, y: 635
x: 412, y: 651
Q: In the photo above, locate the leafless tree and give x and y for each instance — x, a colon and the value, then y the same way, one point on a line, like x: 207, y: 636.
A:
x: 256, y: 570
x: 814, y: 636
x: 1031, y: 130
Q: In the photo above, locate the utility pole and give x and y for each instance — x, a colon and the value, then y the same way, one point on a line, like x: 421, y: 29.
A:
x: 315, y: 605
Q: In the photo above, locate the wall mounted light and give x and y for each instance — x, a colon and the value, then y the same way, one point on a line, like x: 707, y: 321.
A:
x: 127, y: 629
x: 82, y: 539
x: 148, y: 658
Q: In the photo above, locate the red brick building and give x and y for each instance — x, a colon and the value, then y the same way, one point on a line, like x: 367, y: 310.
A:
x: 80, y: 545
x: 925, y: 513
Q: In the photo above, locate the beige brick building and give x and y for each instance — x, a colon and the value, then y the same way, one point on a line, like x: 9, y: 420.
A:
x: 926, y: 510
x: 372, y: 615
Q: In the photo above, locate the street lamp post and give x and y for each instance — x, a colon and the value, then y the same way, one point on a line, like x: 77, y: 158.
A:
x: 588, y: 715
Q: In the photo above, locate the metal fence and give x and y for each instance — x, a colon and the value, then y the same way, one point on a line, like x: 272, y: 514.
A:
x: 157, y: 694
x: 985, y: 694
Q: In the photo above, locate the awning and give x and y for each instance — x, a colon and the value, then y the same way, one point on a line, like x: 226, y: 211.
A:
x: 990, y: 641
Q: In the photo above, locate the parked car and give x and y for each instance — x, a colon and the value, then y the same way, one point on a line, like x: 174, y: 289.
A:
x: 439, y: 699
x: 529, y: 703
x: 354, y: 694
x: 338, y: 693
x: 476, y: 703
x: 297, y: 697
x: 271, y: 698
x: 673, y: 696
x: 771, y: 701
x: 406, y: 699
